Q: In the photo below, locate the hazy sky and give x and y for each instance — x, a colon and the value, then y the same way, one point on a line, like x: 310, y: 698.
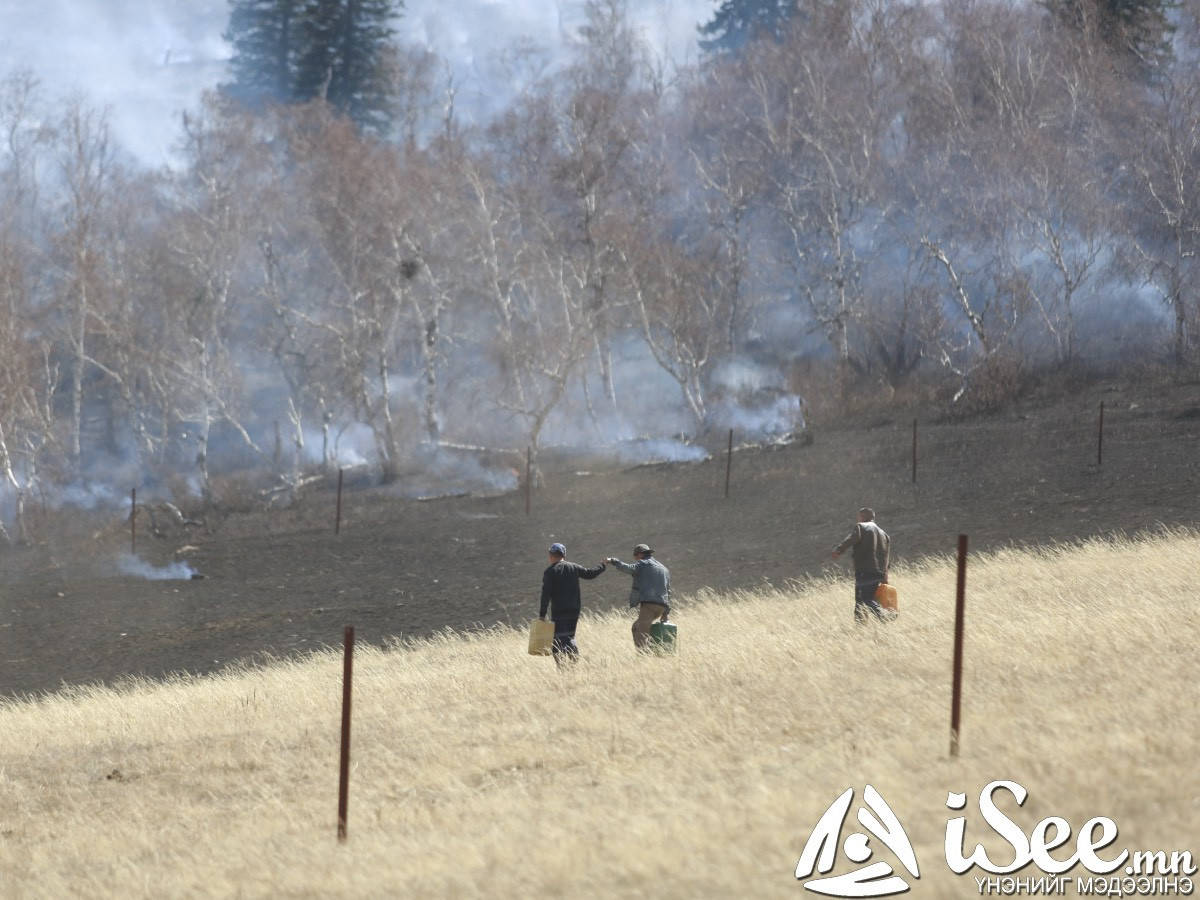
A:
x: 149, y: 61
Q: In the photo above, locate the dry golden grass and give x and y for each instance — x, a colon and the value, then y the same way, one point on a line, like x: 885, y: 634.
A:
x: 481, y: 771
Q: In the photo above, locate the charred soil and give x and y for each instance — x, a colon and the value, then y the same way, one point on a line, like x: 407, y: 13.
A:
x: 281, y: 581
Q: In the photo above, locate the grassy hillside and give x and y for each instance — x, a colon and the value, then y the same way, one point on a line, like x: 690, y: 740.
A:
x: 479, y: 770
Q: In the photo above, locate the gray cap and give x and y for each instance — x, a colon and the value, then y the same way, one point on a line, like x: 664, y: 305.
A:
x: 642, y: 548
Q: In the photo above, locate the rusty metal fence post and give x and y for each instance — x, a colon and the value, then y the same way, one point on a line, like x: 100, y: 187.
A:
x: 728, y: 462
x: 337, y: 521
x: 344, y: 767
x: 914, y: 452
x: 960, y: 602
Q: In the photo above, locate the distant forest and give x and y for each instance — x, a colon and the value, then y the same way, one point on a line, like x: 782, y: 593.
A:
x: 892, y: 192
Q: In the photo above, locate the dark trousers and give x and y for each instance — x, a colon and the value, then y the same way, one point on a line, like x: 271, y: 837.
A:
x: 564, y: 637
x: 865, y: 604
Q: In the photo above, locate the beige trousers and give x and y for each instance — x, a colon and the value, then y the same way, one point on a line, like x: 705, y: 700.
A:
x: 648, y: 614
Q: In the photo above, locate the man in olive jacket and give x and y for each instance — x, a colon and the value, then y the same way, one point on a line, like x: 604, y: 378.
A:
x: 560, y: 596
x: 872, y: 555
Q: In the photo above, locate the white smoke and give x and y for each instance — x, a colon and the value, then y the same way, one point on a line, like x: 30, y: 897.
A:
x: 91, y: 496
x: 742, y: 377
x: 654, y: 450
x: 444, y: 471
x: 480, y: 40
x: 751, y: 398
x: 137, y: 568
x: 349, y: 446
x: 773, y: 415
x: 149, y: 62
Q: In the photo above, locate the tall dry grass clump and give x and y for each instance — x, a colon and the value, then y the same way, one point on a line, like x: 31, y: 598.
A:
x: 481, y: 771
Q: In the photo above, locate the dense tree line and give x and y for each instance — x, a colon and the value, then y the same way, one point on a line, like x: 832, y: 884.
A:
x: 893, y: 189
x: 294, y: 51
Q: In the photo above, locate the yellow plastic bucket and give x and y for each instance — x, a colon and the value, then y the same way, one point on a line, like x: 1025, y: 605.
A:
x: 541, y: 637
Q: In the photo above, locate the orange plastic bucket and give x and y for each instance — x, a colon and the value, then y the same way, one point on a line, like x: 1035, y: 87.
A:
x: 885, y: 596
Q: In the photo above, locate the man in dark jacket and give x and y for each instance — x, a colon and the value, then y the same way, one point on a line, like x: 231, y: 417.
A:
x: 872, y: 555
x: 560, y: 596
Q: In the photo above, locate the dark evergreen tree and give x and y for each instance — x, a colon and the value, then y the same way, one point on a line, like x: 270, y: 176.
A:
x: 736, y: 22
x: 346, y: 45
x: 292, y: 51
x: 263, y: 36
x: 1140, y: 30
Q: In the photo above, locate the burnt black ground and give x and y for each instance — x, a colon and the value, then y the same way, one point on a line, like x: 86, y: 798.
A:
x: 280, y: 581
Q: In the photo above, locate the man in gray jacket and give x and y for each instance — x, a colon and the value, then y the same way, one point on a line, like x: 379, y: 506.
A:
x: 650, y: 593
x: 872, y: 556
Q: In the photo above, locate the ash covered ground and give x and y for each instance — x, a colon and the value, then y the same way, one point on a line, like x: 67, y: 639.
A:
x: 76, y: 607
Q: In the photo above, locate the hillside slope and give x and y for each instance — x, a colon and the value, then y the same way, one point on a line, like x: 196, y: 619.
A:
x: 283, y: 581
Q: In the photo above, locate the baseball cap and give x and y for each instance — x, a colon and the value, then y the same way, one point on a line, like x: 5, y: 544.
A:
x: 641, y: 548
x: 558, y: 549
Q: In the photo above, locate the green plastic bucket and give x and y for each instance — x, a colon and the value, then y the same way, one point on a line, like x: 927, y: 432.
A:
x: 663, y: 637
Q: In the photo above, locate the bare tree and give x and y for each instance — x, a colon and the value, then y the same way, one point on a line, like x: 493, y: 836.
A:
x: 24, y: 138
x: 677, y: 298
x: 296, y: 349
x: 591, y: 121
x: 1050, y: 87
x: 87, y: 172
x: 541, y: 328
x: 727, y: 157
x: 824, y: 100
x: 981, y: 95
x: 28, y: 375
x: 412, y: 71
x: 424, y: 263
x: 375, y: 290
x: 212, y: 236
x: 1164, y: 212
x: 126, y: 334
x: 28, y: 380
x: 351, y: 205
